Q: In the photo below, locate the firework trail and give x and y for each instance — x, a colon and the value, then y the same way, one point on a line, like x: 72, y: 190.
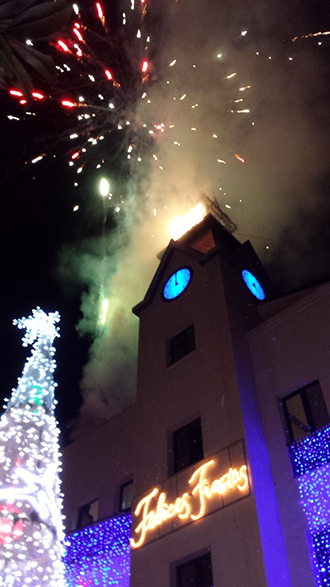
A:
x: 166, y: 104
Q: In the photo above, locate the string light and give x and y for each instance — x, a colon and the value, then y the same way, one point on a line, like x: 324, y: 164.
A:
x: 311, y: 451
x: 99, y: 553
x: 31, y: 524
x: 311, y: 462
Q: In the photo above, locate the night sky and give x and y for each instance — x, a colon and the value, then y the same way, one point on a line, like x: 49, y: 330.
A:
x: 35, y: 221
x: 246, y: 119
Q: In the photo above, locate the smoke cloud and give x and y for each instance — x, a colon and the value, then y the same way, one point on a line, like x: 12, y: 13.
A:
x: 245, y: 118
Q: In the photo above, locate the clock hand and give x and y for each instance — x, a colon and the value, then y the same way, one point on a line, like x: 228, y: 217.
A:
x: 176, y: 279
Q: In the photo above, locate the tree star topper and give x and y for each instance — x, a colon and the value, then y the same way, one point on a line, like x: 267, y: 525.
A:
x: 36, y: 385
x: 39, y: 325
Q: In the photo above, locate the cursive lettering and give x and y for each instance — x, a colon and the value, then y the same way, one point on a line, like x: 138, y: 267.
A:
x: 183, y: 507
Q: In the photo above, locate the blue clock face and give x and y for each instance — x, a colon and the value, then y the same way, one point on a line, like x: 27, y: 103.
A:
x: 253, y: 285
x: 177, y: 283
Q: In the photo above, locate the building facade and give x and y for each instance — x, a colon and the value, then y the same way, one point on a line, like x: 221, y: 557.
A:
x: 222, y: 459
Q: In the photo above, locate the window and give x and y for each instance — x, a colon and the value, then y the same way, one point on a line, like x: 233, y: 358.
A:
x: 181, y: 345
x: 196, y: 572
x: 126, y: 496
x: 88, y: 514
x: 187, y: 445
x: 305, y: 411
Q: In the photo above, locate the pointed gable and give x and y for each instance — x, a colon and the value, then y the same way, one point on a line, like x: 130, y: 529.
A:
x: 165, y: 260
x: 202, y: 242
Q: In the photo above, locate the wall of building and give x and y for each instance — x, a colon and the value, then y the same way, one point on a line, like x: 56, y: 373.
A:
x: 95, y: 466
x: 233, y: 381
x: 204, y: 383
x: 242, y: 310
x: 289, y: 351
x: 230, y: 536
x: 199, y: 384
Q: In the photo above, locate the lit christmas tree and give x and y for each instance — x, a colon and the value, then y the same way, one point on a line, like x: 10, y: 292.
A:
x: 31, y: 527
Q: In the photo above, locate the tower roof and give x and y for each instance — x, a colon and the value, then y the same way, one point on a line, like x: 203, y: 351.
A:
x: 203, y: 242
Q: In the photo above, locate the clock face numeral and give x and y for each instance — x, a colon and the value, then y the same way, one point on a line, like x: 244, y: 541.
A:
x: 177, y: 283
x: 253, y: 285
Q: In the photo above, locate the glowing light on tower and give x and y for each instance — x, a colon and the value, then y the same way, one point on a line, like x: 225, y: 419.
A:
x: 181, y: 224
x: 31, y: 526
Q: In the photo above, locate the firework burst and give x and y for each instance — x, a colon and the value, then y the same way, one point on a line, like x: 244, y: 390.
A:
x: 105, y: 63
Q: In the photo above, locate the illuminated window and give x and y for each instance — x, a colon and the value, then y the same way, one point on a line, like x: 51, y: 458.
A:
x: 305, y: 412
x: 188, y: 445
x: 126, y: 496
x: 197, y: 572
x: 181, y: 345
x: 88, y: 514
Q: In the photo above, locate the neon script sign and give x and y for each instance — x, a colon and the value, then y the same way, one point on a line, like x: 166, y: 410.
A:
x: 155, y: 509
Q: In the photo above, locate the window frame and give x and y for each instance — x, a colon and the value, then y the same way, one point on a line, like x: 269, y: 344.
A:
x: 190, y: 342
x: 80, y: 526
x: 312, y: 427
x: 121, y: 491
x: 176, y: 565
x: 173, y: 453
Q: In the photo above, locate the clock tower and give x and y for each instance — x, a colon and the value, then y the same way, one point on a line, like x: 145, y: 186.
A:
x: 218, y: 472
x: 203, y: 486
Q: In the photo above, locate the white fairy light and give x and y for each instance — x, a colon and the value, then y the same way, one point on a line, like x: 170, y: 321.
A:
x: 31, y: 525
